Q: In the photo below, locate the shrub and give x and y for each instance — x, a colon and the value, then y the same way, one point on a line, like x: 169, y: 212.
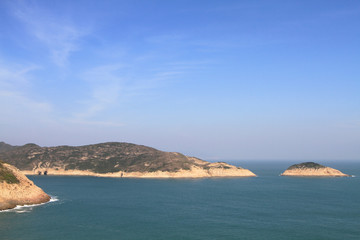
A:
x: 7, y: 175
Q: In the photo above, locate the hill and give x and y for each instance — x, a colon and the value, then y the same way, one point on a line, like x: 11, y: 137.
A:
x: 114, y: 159
x: 312, y: 169
x: 5, y: 147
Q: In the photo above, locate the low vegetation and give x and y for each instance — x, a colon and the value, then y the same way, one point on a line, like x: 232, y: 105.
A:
x: 306, y: 165
x: 7, y: 175
x: 99, y: 158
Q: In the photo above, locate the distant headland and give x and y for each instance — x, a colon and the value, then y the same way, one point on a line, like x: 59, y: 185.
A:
x: 113, y: 159
x: 312, y: 169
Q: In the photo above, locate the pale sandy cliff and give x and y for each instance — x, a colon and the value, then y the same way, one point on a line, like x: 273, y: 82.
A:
x: 218, y: 169
x: 310, y: 169
x: 17, y: 189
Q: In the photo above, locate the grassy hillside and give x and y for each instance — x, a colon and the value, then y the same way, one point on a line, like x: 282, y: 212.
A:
x: 99, y: 158
x: 5, y: 147
x: 7, y: 175
x: 306, y: 165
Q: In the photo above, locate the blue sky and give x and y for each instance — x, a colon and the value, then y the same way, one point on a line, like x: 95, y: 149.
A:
x: 220, y: 80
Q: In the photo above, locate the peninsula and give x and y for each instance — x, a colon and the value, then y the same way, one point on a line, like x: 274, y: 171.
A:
x: 17, y: 189
x: 114, y: 159
x: 309, y: 169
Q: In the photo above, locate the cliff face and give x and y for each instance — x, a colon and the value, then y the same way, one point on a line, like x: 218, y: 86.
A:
x: 17, y: 189
x: 312, y: 169
x: 114, y: 159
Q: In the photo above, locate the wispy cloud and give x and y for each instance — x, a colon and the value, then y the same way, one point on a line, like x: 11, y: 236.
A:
x: 190, y: 65
x: 168, y: 38
x: 168, y: 74
x: 109, y: 86
x: 15, y: 101
x: 14, y: 78
x: 59, y: 36
x: 104, y: 84
x: 96, y: 123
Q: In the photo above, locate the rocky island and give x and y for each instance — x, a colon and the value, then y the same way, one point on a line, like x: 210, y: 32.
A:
x: 311, y: 169
x: 114, y: 159
x: 17, y: 189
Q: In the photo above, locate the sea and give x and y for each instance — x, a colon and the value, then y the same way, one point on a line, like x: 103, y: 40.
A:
x: 265, y: 207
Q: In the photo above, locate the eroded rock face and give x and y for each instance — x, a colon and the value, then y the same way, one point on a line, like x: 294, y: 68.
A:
x: 312, y: 169
x: 17, y: 189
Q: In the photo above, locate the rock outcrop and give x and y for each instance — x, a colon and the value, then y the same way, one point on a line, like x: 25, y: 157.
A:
x: 17, y: 189
x: 311, y: 169
x: 115, y: 159
x: 196, y: 171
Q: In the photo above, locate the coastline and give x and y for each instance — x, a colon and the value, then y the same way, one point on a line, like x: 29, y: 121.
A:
x: 19, y: 208
x: 194, y: 172
x: 24, y: 192
x: 309, y: 172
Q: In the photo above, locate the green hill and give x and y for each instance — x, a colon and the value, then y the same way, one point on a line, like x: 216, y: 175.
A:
x: 306, y: 165
x: 99, y: 158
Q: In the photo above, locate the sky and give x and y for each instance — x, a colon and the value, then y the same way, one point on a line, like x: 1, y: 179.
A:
x: 219, y: 80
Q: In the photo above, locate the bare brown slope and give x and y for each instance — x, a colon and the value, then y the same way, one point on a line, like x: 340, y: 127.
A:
x: 17, y: 189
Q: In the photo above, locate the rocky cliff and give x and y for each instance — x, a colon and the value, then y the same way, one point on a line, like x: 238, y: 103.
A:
x: 114, y: 159
x: 17, y: 189
x: 312, y: 169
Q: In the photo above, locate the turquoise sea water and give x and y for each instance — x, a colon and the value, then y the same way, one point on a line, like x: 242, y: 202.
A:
x: 265, y: 207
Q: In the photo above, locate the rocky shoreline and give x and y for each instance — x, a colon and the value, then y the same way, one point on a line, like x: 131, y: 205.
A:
x: 217, y: 170
x: 18, y: 190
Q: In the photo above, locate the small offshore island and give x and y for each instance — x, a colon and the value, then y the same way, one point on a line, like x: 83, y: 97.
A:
x: 311, y: 169
x: 16, y: 189
x: 114, y: 159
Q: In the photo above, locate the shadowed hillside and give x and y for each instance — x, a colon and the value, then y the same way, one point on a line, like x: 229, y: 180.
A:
x: 5, y: 147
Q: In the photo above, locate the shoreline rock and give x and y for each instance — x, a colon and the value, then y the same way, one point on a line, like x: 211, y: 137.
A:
x: 19, y: 190
x: 214, y: 170
x: 311, y: 169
